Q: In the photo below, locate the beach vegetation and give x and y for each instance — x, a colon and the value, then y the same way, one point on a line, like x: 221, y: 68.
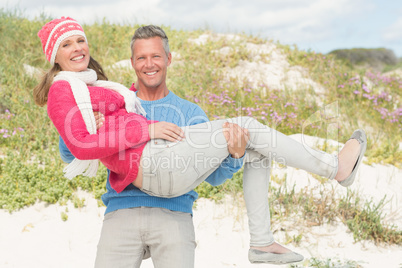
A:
x: 31, y: 169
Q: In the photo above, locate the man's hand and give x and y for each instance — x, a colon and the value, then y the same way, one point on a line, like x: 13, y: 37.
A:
x: 166, y: 131
x: 99, y: 118
x: 237, y: 138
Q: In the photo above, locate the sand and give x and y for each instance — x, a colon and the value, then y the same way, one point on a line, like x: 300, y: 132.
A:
x: 38, y: 237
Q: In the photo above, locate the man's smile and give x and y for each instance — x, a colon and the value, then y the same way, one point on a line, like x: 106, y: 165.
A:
x: 151, y: 73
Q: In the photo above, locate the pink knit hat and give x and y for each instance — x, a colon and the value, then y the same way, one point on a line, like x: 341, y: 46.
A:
x: 54, y: 32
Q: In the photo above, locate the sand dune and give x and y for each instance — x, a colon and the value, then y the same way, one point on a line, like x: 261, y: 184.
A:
x: 37, y: 236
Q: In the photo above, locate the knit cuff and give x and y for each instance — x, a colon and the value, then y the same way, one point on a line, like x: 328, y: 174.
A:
x: 235, y: 163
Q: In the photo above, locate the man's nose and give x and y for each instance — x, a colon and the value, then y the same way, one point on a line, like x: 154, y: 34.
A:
x: 149, y: 62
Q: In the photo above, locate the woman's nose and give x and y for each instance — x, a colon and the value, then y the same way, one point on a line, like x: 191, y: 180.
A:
x: 77, y: 46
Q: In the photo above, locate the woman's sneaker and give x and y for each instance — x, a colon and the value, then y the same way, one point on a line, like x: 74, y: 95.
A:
x: 258, y: 256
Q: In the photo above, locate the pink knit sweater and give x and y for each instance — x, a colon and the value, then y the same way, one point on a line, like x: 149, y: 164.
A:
x: 118, y: 144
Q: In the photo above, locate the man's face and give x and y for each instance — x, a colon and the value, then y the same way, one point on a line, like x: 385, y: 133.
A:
x: 150, y: 63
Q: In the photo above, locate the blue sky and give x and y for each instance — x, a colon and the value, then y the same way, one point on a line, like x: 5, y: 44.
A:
x: 317, y: 25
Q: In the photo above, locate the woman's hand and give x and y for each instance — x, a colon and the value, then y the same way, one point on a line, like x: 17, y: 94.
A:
x: 166, y: 131
x: 99, y: 119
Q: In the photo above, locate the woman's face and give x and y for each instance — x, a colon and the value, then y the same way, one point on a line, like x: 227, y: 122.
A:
x: 73, y: 54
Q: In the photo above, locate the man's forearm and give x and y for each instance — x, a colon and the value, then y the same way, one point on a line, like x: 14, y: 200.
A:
x: 225, y: 171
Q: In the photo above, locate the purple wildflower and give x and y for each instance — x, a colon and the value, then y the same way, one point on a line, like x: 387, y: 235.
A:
x: 365, y: 88
x: 289, y: 104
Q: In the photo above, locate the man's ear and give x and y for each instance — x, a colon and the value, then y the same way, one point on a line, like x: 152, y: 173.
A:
x: 169, y: 59
x: 132, y: 62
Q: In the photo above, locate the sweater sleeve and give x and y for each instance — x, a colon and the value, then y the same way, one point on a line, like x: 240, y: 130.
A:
x: 117, y: 134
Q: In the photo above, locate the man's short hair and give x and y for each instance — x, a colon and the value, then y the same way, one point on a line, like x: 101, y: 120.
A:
x: 149, y: 31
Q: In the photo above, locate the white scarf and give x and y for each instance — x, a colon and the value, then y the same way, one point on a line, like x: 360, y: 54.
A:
x: 78, y: 82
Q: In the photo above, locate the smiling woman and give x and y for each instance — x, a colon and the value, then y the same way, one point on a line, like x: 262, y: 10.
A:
x: 54, y: 34
x: 73, y: 54
x: 135, y: 149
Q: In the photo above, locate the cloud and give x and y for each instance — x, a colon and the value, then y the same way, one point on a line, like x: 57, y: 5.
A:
x: 43, y: 3
x: 89, y: 11
x: 287, y: 20
x: 307, y: 23
x: 393, y: 33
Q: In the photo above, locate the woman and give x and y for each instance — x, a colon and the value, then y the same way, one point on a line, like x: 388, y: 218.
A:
x: 72, y: 91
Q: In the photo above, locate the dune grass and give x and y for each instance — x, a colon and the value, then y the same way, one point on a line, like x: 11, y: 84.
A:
x: 31, y: 168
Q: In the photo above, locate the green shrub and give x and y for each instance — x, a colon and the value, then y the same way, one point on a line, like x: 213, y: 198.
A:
x: 371, y: 57
x: 31, y: 168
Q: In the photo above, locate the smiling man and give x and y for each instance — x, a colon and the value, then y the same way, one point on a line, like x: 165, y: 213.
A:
x: 150, y: 63
x: 137, y: 225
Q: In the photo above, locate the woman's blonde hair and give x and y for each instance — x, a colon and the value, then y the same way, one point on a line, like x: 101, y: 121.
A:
x: 41, y: 91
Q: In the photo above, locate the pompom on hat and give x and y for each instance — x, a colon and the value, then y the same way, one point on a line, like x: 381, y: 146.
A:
x: 54, y: 32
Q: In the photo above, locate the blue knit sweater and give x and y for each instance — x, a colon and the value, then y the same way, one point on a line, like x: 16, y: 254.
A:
x: 182, y: 113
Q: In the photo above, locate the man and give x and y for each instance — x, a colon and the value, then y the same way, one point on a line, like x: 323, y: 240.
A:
x: 137, y: 226
x: 150, y: 59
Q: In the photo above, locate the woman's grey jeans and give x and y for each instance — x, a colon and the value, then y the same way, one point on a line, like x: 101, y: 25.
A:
x: 172, y: 169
